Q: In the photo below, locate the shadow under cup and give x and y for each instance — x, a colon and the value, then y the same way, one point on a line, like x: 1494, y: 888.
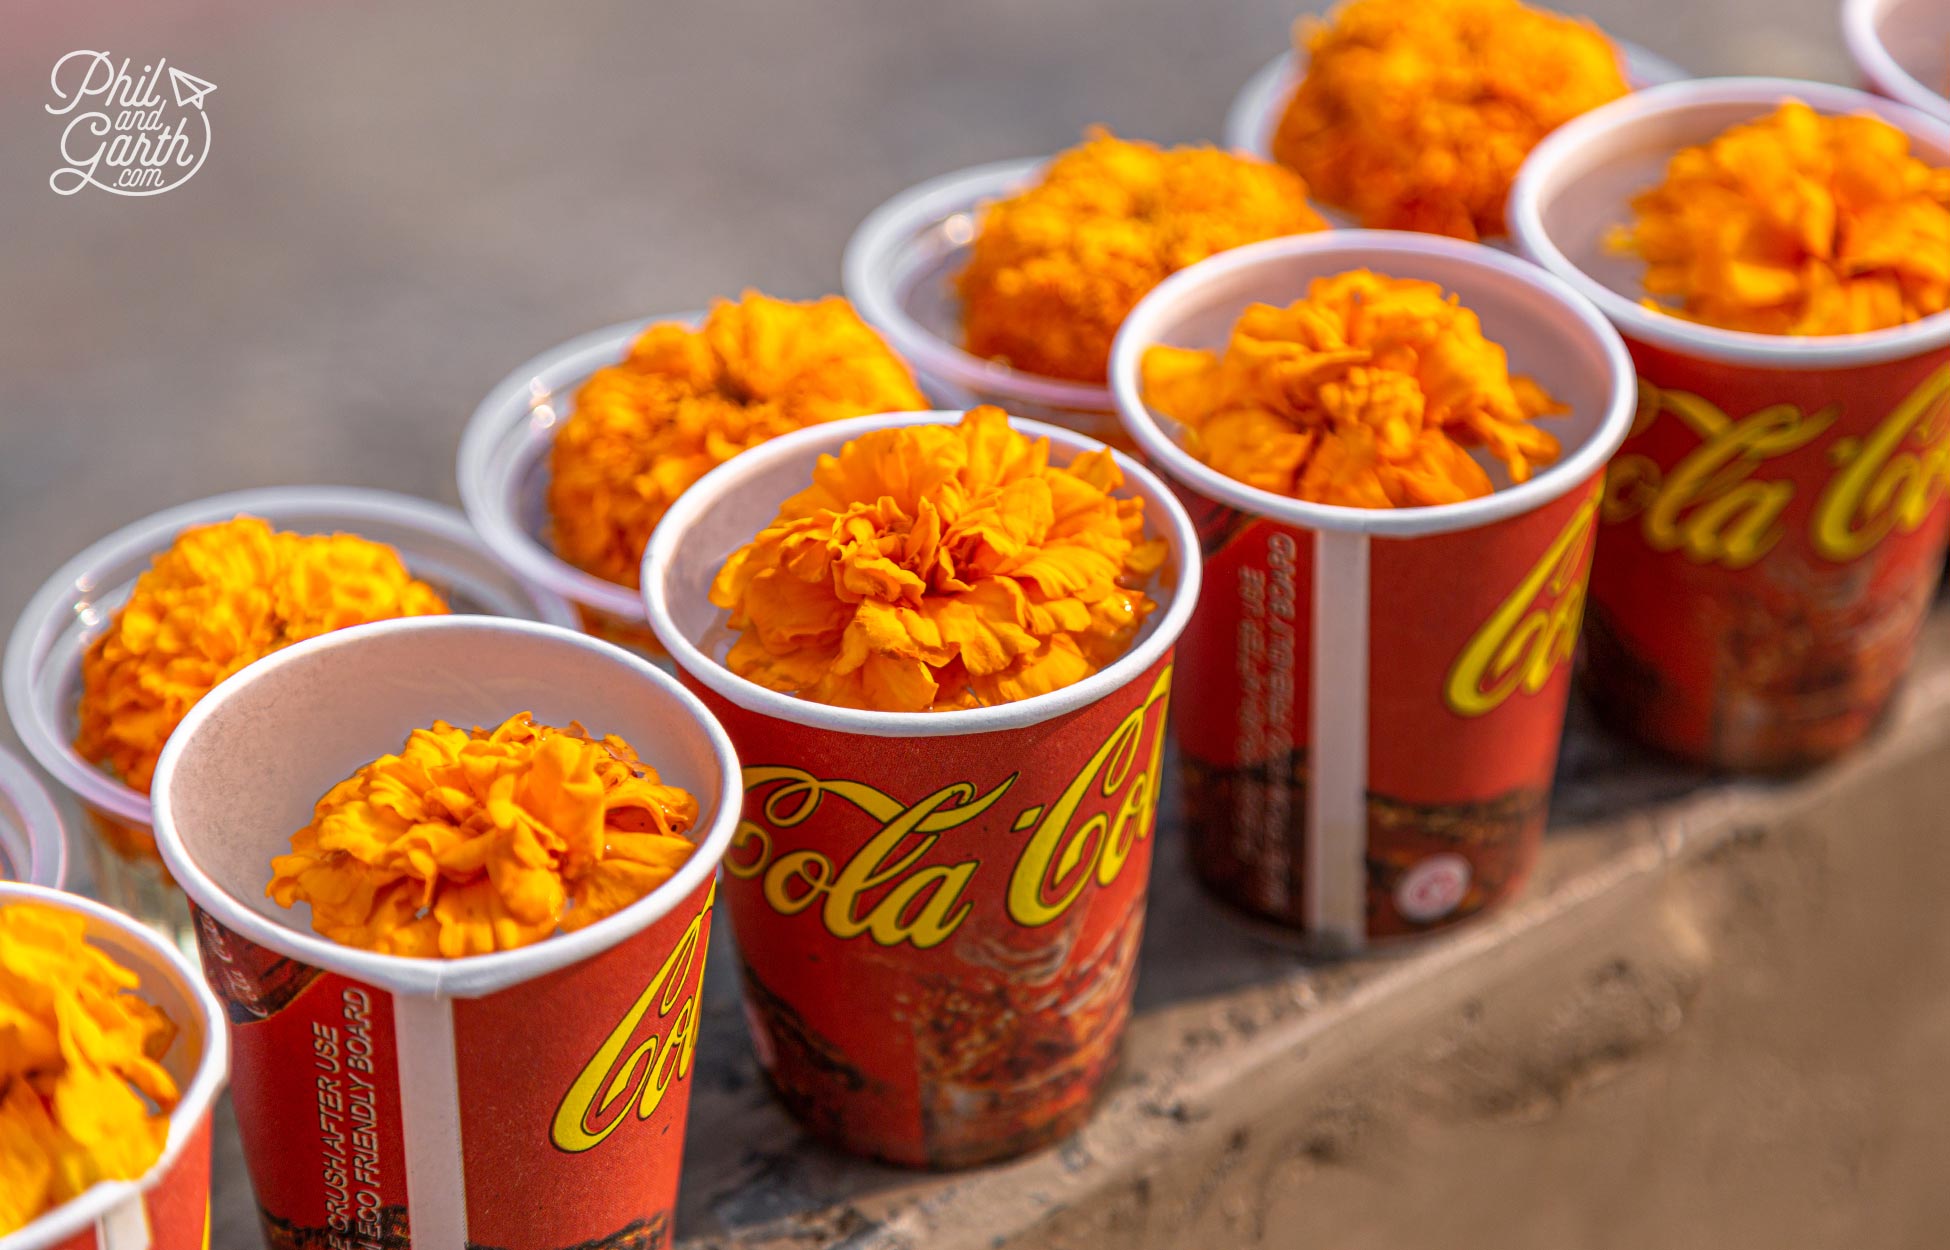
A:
x: 938, y: 913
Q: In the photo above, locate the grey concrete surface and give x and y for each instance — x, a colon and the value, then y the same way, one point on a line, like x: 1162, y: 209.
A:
x: 404, y: 201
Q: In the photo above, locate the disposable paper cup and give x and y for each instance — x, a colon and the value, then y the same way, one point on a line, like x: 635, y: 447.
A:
x: 1254, y: 116
x: 899, y: 271
x: 533, y: 1097
x: 938, y: 912
x: 504, y: 475
x: 1902, y: 48
x: 167, y: 1207
x: 1381, y: 691
x: 1771, y: 537
x: 42, y: 670
x: 33, y: 846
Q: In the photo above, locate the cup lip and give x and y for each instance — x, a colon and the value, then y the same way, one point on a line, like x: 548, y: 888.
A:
x: 469, y: 976
x: 1862, y: 32
x: 1361, y: 247
x: 199, y: 1094
x: 1736, y: 347
x: 1255, y: 109
x: 511, y: 401
x: 869, y: 261
x: 45, y: 617
x: 1175, y: 526
x: 47, y: 842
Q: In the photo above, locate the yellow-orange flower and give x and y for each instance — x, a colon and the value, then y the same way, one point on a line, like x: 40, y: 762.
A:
x: 222, y: 596
x: 688, y: 399
x: 933, y: 566
x: 1797, y: 224
x: 1415, y: 114
x: 78, y: 1057
x: 1057, y: 267
x: 1368, y: 393
x: 470, y: 842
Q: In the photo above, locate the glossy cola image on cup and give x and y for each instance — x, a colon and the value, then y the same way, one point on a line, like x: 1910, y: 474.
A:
x: 938, y: 913
x: 1380, y: 693
x: 527, y: 1099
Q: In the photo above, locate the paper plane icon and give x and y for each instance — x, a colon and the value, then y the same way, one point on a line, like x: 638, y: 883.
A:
x: 189, y: 89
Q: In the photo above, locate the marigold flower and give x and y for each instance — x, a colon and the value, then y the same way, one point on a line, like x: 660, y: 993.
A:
x: 1797, y: 224
x: 688, y: 399
x: 1368, y: 393
x: 1057, y: 267
x: 82, y: 1096
x: 471, y: 842
x: 931, y: 567
x: 222, y: 596
x: 1415, y: 114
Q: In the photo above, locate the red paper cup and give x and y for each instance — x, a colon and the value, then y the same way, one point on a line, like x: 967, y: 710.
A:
x: 1902, y: 48
x: 167, y: 1207
x: 1381, y: 691
x: 938, y: 912
x: 33, y: 847
x: 900, y: 270
x: 504, y: 475
x: 523, y: 1099
x: 42, y: 670
x: 1771, y: 532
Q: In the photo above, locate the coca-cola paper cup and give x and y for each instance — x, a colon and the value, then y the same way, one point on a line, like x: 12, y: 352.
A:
x: 1771, y: 536
x: 167, y: 1207
x: 33, y: 846
x: 42, y: 671
x: 899, y: 271
x: 938, y: 912
x: 504, y: 474
x: 1902, y: 48
x: 532, y: 1098
x: 1380, y: 692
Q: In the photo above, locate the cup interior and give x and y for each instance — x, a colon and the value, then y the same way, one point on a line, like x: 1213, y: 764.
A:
x: 246, y: 769
x: 1916, y: 36
x: 738, y: 499
x: 44, y: 656
x: 1571, y: 356
x: 33, y: 847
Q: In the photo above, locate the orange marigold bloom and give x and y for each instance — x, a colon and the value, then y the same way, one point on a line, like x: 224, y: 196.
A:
x: 470, y: 842
x: 222, y: 596
x: 1057, y: 267
x: 688, y: 399
x: 1368, y: 393
x: 78, y: 1058
x: 931, y: 567
x: 1415, y: 114
x: 1797, y: 224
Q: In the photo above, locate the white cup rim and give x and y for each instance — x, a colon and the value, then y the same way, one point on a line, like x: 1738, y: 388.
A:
x: 504, y: 407
x: 198, y: 1096
x: 1176, y: 611
x: 1141, y: 330
x: 44, y: 619
x: 47, y: 842
x: 1738, y: 347
x: 1862, y: 32
x: 469, y: 976
x: 868, y: 263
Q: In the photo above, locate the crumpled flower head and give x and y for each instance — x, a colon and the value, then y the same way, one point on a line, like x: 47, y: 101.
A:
x: 1057, y: 267
x: 471, y: 842
x: 1415, y: 114
x: 933, y: 567
x: 222, y: 596
x: 1797, y: 224
x: 83, y: 1097
x: 1368, y: 393
x: 688, y: 399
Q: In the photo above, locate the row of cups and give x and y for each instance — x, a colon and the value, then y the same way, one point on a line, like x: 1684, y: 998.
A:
x: 866, y: 1019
